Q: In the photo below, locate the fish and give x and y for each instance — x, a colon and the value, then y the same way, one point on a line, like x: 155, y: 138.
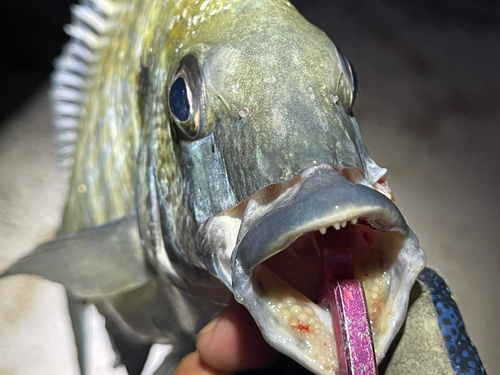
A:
x: 211, y: 153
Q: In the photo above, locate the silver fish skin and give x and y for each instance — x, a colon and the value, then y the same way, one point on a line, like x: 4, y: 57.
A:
x: 214, y: 154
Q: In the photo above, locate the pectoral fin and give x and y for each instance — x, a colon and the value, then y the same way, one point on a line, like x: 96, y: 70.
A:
x: 94, y: 263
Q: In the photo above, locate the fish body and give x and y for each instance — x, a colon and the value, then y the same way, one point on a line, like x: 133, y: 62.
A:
x: 210, y: 142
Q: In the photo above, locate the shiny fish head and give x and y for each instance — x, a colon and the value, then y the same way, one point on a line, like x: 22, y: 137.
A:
x: 272, y: 102
x: 268, y: 174
x: 239, y: 97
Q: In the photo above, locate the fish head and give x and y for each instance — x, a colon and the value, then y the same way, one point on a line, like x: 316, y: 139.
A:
x: 272, y: 180
x: 280, y: 93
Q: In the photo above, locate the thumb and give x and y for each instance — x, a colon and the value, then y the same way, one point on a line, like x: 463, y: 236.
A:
x: 233, y: 342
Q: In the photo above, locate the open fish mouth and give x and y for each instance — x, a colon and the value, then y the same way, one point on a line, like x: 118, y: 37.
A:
x: 275, y: 250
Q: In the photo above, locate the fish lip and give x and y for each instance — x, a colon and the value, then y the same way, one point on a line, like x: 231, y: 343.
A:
x: 261, y: 241
x: 324, y: 198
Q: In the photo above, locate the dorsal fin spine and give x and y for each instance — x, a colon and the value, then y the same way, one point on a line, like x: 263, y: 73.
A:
x: 72, y: 64
x: 108, y: 7
x: 92, y: 20
x: 67, y: 93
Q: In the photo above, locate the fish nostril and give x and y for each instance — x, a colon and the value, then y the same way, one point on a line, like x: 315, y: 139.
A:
x: 383, y: 187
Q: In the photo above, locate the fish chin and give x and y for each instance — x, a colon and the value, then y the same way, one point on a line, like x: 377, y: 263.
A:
x: 271, y: 254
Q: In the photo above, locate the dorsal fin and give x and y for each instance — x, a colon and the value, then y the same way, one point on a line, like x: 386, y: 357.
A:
x: 92, y: 21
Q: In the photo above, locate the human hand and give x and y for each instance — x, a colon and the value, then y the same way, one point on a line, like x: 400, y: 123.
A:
x: 230, y: 343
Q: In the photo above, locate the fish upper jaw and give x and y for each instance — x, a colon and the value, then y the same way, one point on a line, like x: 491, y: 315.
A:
x: 322, y: 199
x: 270, y: 252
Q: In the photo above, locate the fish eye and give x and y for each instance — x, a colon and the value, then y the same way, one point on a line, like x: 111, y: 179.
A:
x: 186, y: 99
x: 350, y: 84
x: 354, y: 79
x: 179, y: 101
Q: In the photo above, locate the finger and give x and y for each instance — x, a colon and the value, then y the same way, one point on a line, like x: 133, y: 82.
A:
x: 193, y: 365
x: 233, y: 342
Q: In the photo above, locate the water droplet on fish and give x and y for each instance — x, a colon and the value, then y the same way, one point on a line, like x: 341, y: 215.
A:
x: 244, y: 111
x: 334, y: 98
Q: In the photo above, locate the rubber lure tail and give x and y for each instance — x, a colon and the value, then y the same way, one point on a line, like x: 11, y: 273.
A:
x: 348, y: 309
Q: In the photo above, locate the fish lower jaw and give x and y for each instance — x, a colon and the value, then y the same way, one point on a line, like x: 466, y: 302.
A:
x: 288, y: 285
x: 303, y: 322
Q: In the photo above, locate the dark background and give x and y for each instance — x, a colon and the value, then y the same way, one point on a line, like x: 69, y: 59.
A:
x: 31, y: 36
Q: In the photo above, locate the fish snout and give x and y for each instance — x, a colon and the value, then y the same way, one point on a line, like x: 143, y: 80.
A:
x: 322, y: 198
x: 278, y: 263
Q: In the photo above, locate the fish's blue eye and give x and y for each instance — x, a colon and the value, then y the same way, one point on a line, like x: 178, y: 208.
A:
x: 179, y: 102
x: 186, y: 100
x: 354, y: 82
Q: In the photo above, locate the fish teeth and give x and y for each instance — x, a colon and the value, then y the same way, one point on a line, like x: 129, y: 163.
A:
x: 338, y: 225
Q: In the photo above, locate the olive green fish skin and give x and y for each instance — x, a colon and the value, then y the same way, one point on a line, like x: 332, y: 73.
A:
x: 259, y: 54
